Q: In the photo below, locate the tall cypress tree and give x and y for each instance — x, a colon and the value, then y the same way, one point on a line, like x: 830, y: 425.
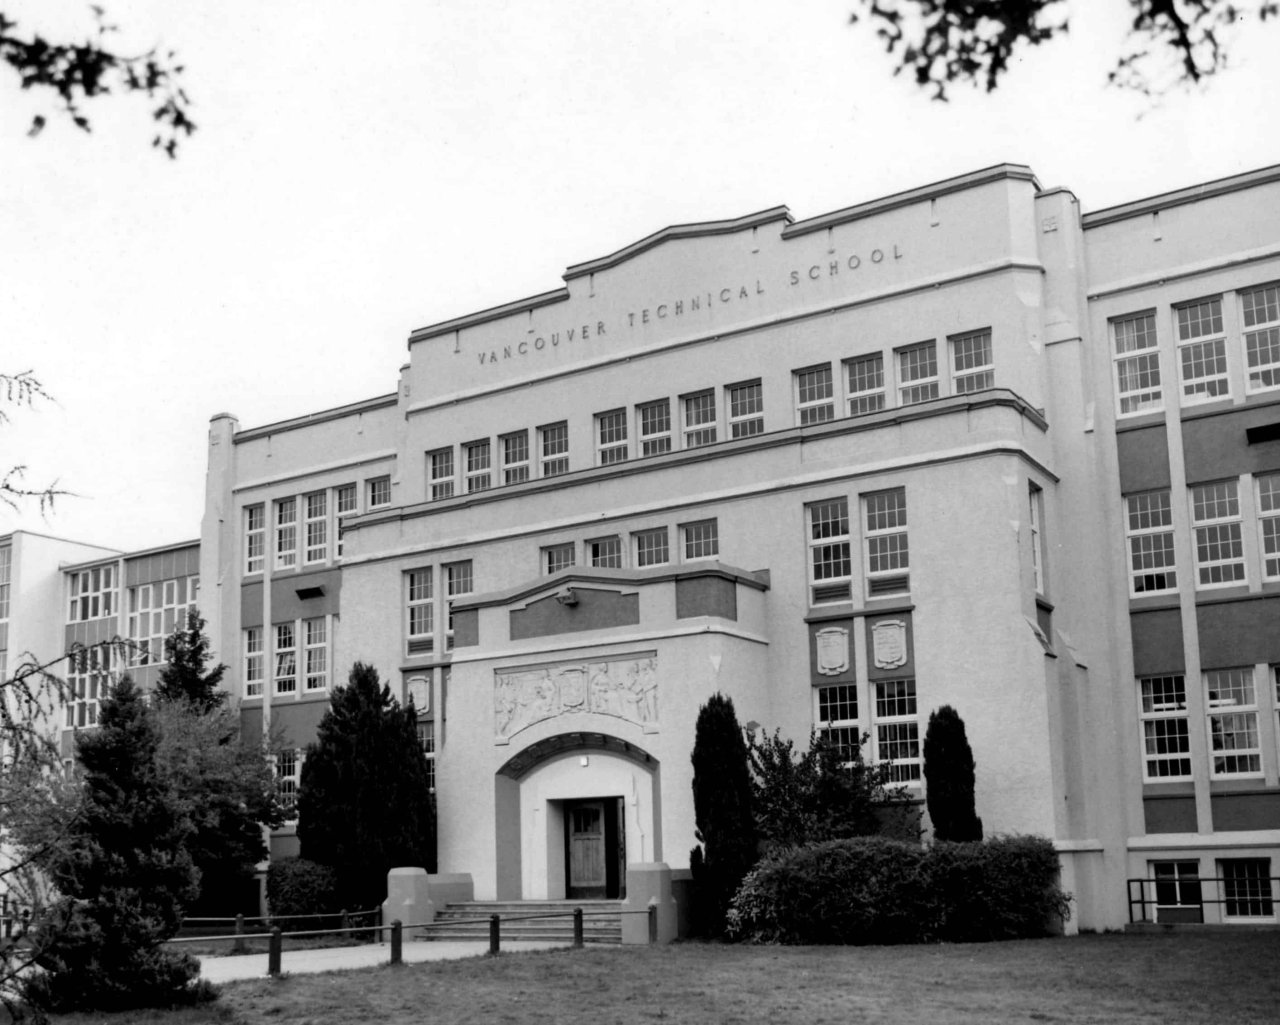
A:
x: 949, y: 778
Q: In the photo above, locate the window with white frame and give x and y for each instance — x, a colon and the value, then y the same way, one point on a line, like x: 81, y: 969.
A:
x: 1232, y: 708
x: 315, y: 633
x: 701, y: 539
x: 611, y: 435
x: 346, y: 503
x: 6, y: 575
x: 746, y: 409
x: 286, y: 658
x: 1215, y: 515
x: 866, y: 384
x: 1246, y: 888
x: 1177, y: 885
x: 286, y: 533
x: 652, y: 547
x: 475, y: 455
x: 1149, y: 530
x: 427, y: 743
x: 814, y: 395
x: 1269, y: 523
x: 830, y: 561
x: 838, y: 720
x: 605, y: 552
x: 1035, y: 510
x: 421, y: 607
x: 255, y: 532
x: 316, y: 525
x: 554, y: 440
x: 379, y: 492
x: 156, y: 610
x: 1137, y: 361
x: 558, y: 557
x: 288, y: 777
x: 515, y: 457
x: 1166, y: 735
x: 654, y: 421
x: 457, y: 582
x: 897, y: 731
x: 93, y: 594
x: 1202, y: 350
x: 1260, y: 312
x: 89, y: 674
x: 253, y: 667
x: 440, y: 473
x: 885, y: 543
x: 917, y: 373
x: 972, y: 368
x: 699, y: 419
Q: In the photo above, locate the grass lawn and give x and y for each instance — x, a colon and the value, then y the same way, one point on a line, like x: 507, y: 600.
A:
x: 1209, y: 978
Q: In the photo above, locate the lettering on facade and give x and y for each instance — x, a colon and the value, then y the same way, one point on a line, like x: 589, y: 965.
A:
x: 833, y: 650
x: 624, y: 688
x: 889, y: 643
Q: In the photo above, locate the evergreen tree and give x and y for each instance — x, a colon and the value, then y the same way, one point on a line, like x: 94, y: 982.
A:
x: 186, y: 653
x: 722, y: 812
x: 364, y: 804
x: 949, y: 780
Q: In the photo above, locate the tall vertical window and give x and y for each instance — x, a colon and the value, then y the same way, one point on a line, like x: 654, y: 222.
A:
x: 286, y: 533
x: 288, y: 775
x: 1261, y: 316
x: 89, y: 673
x: 1137, y: 364
x: 1232, y: 708
x: 1246, y: 887
x: 1035, y: 503
x: 1149, y: 528
x: 746, y: 409
x: 427, y: 742
x: 866, y: 384
x: 652, y: 548
x: 476, y: 456
x: 917, y: 373
x: 605, y: 552
x: 1202, y: 350
x: 838, y: 720
x: 700, y: 419
x: 971, y: 366
x: 1166, y: 742
x: 286, y: 658
x: 315, y: 633
x: 898, y: 729
x: 701, y: 539
x: 1215, y: 514
x: 654, y: 419
x: 155, y: 611
x: 253, y: 674
x: 515, y: 457
x: 255, y: 528
x: 554, y: 439
x: 421, y: 611
x: 346, y: 503
x: 611, y: 434
x: 93, y: 594
x: 830, y: 563
x: 317, y: 526
x: 6, y: 574
x: 440, y: 473
x: 379, y: 489
x: 887, y: 555
x: 558, y: 557
x: 457, y: 582
x: 814, y: 395
x: 1269, y: 524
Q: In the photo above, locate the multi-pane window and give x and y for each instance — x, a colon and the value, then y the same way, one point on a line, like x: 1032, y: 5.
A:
x: 346, y: 502
x: 1149, y: 528
x: 421, y: 610
x: 515, y: 457
x: 611, y: 434
x: 866, y: 384
x: 555, y: 449
x: 286, y: 658
x: 971, y: 364
x: 427, y: 742
x: 1215, y: 514
x: 887, y: 556
x: 288, y: 775
x: 558, y: 557
x: 253, y: 668
x: 475, y: 455
x: 315, y: 634
x: 814, y: 395
x: 654, y: 419
x: 317, y: 527
x: 1035, y: 500
x: 1269, y: 524
x: 379, y: 492
x: 1137, y: 363
x: 457, y: 582
x: 898, y: 729
x: 1202, y: 350
x: 93, y: 594
x: 1166, y: 742
x: 1246, y: 888
x: 838, y: 720
x: 830, y: 562
x: 746, y: 409
x: 155, y: 611
x: 917, y: 373
x: 1177, y: 885
x: 440, y: 473
x: 652, y: 547
x: 1232, y: 708
x: 700, y: 419
x: 606, y: 552
x: 255, y: 528
x: 6, y: 570
x: 701, y: 539
x: 1261, y: 316
x: 286, y: 533
x: 89, y: 674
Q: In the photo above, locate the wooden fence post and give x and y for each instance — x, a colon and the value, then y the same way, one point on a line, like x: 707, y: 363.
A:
x: 273, y: 952
x: 238, y: 947
x: 397, y: 950
x: 653, y: 923
x: 493, y: 934
x: 577, y: 928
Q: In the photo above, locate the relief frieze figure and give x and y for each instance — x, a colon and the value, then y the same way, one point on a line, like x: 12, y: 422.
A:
x: 623, y: 688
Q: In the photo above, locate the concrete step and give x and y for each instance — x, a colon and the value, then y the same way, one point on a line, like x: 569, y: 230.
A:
x: 520, y: 920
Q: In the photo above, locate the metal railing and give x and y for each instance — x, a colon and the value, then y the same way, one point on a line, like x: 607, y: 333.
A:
x: 1182, y: 899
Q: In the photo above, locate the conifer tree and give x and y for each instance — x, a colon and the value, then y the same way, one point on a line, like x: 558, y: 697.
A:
x: 949, y: 778
x: 186, y: 653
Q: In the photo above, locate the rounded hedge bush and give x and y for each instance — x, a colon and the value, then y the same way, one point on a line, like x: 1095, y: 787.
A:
x: 296, y: 887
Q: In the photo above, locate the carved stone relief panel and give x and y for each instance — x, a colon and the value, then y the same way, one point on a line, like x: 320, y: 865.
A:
x: 624, y: 687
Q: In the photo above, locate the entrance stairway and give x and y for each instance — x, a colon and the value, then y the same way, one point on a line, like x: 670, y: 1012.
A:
x: 469, y: 920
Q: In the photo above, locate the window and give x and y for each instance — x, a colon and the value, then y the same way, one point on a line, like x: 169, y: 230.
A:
x: 1166, y: 743
x: 1261, y: 309
x: 1202, y: 350
x: 254, y: 538
x: 93, y: 594
x: 611, y: 429
x: 700, y: 420
x: 746, y: 409
x: 1246, y: 887
x: 655, y: 427
x: 652, y: 548
x: 288, y: 775
x: 555, y: 449
x: 1269, y: 524
x: 838, y: 720
x: 379, y: 489
x: 1150, y: 534
x: 814, y: 396
x: 1219, y: 549
x: 866, y: 384
x: 606, y: 552
x: 427, y: 742
x: 917, y: 373
x: 898, y: 729
x: 830, y: 565
x: 457, y: 582
x: 971, y: 365
x: 558, y: 557
x: 1137, y: 364
x: 89, y: 674
x: 286, y: 658
x: 476, y: 456
x: 253, y: 675
x: 515, y: 457
x: 421, y: 612
x: 1035, y: 502
x: 886, y: 543
x: 1233, y: 723
x: 286, y: 533
x: 6, y: 572
x: 1177, y: 886
x: 155, y: 611
x: 345, y: 499
x: 440, y: 473
x: 315, y: 633
x: 317, y: 527
x: 701, y: 539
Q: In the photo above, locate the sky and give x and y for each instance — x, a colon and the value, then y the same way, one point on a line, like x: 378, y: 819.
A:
x: 357, y: 175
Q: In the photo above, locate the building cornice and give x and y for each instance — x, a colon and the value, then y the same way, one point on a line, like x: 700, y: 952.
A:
x: 1180, y: 197
x: 311, y: 419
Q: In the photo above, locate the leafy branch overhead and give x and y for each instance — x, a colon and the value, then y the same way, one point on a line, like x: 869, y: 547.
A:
x: 22, y: 389
x: 78, y: 72
x: 945, y: 42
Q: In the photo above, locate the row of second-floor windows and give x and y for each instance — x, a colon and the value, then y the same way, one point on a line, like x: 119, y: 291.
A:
x: 519, y: 458
x: 649, y: 546
x: 884, y: 549
x: 454, y: 580
x: 301, y: 657
x: 6, y: 573
x: 885, y: 713
x: 1220, y: 344
x: 1233, y: 719
x: 156, y: 610
x: 90, y: 673
x: 305, y: 530
x: 93, y: 594
x: 1223, y: 515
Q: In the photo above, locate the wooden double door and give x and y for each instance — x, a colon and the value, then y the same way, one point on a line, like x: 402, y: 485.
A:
x: 595, y: 848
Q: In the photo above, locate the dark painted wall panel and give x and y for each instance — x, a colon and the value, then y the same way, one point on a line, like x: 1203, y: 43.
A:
x: 285, y: 603
x: 1143, y: 456
x: 466, y: 628
x: 1169, y: 814
x: 181, y: 562
x: 596, y: 610
x: 906, y: 669
x: 706, y: 596
x: 297, y: 721
x: 1239, y: 633
x: 1237, y: 812
x: 850, y: 674
x: 1157, y: 642
x: 1215, y: 447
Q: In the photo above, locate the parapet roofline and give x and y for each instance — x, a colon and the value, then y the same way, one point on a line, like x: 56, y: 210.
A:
x: 1180, y: 197
x: 309, y: 419
x: 101, y: 560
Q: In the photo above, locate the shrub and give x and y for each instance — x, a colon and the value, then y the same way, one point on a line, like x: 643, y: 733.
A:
x: 949, y: 778
x: 297, y: 887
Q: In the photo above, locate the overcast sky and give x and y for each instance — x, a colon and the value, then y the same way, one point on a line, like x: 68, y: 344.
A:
x: 362, y: 170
